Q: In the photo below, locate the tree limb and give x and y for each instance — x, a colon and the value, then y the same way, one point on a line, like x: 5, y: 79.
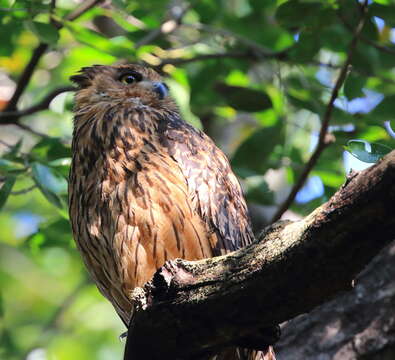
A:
x: 325, y: 139
x: 192, y: 309
x: 11, y: 117
x: 39, y: 52
x: 26, y: 76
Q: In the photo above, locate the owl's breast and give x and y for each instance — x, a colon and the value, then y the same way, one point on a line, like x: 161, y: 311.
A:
x: 131, y: 213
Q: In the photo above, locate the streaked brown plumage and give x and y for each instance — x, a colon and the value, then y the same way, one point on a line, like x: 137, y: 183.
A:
x: 145, y: 186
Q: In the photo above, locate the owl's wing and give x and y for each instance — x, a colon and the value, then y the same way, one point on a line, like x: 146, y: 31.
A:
x: 215, y: 192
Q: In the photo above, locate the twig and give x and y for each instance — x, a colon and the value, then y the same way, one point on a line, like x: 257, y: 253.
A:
x: 13, y: 116
x: 29, y: 129
x: 83, y: 8
x: 26, y: 76
x: 202, y: 57
x: 167, y: 26
x: 52, y: 323
x: 248, y: 54
x: 324, y: 139
x: 254, y: 48
x: 366, y: 40
x: 24, y: 191
x: 11, y: 147
x: 6, y: 144
x: 38, y: 53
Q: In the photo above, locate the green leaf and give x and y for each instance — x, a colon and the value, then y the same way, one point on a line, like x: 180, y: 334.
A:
x: 366, y: 59
x: 118, y: 46
x: 367, y: 152
x: 294, y: 13
x: 7, y: 166
x: 62, y: 166
x: 304, y: 93
x: 386, y: 12
x: 254, y: 152
x: 50, y: 149
x: 35, y: 242
x: 12, y: 154
x: 335, y: 38
x: 5, y: 190
x: 383, y: 2
x: 57, y: 233
x: 244, y: 99
x: 385, y: 110
x: 8, y: 35
x: 50, y: 182
x: 47, y: 33
x: 257, y: 190
x: 6, y: 3
x: 353, y: 86
x: 306, y: 47
x: 1, y: 305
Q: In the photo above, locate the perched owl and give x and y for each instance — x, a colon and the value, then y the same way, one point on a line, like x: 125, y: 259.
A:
x: 145, y: 186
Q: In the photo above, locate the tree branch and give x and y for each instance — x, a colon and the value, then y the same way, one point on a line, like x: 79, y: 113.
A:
x: 167, y: 26
x: 325, y: 139
x: 82, y: 9
x: 23, y: 191
x: 26, y: 76
x: 364, y: 39
x: 254, y: 49
x: 11, y: 117
x: 39, y: 52
x: 190, y: 310
x: 250, y: 54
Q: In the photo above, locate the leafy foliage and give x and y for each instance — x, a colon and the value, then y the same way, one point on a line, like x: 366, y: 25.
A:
x: 255, y: 75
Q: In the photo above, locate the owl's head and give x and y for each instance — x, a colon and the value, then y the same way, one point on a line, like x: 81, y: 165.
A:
x: 128, y: 84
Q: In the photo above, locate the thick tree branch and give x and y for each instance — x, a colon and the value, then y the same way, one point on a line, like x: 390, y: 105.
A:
x: 191, y: 309
x: 325, y: 139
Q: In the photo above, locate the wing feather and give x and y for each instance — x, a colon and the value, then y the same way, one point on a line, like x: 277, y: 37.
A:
x: 214, y: 190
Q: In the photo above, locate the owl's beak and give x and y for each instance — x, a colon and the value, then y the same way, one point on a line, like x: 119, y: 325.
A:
x: 161, y: 89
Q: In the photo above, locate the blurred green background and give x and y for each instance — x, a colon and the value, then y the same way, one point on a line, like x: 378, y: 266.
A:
x: 255, y: 75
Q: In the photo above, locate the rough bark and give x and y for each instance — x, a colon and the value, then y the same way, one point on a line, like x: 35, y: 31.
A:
x: 191, y: 309
x: 359, y: 325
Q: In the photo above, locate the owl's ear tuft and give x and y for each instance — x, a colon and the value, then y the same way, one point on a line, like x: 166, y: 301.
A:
x: 81, y: 80
x: 86, y: 74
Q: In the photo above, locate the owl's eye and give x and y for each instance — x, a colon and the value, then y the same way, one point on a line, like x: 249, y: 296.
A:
x: 130, y: 78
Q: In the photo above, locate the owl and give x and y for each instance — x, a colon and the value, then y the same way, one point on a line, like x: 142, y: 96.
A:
x: 146, y: 187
